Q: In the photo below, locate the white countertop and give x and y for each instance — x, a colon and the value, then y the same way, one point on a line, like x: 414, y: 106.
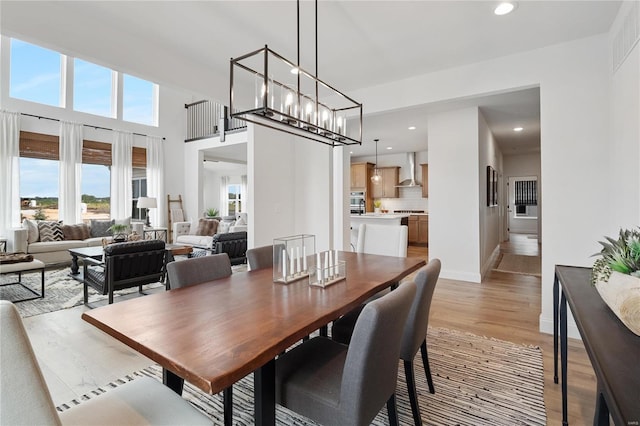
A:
x: 380, y: 216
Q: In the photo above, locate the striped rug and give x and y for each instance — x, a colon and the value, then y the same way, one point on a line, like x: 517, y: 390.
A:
x: 478, y: 381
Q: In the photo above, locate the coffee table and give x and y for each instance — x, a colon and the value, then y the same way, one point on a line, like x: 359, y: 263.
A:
x: 94, y: 252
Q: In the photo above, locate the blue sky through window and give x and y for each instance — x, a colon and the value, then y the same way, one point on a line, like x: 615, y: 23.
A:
x: 137, y: 100
x: 92, y: 88
x: 35, y: 73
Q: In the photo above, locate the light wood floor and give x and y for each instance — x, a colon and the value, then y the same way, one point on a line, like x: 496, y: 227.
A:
x: 77, y: 358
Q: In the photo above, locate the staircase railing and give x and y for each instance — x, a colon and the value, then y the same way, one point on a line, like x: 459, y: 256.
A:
x: 205, y: 119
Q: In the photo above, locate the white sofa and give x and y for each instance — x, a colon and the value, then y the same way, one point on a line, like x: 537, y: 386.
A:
x: 185, y: 232
x: 53, y: 252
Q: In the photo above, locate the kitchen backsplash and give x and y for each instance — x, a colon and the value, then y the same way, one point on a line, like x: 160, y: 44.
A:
x: 410, y: 199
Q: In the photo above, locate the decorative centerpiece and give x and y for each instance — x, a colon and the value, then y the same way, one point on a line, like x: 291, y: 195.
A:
x: 329, y: 269
x: 293, y: 257
x: 119, y: 232
x: 616, y: 276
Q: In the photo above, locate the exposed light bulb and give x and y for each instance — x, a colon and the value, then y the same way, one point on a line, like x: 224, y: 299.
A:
x: 518, y: 129
x: 412, y: 127
x: 504, y: 8
x: 376, y: 178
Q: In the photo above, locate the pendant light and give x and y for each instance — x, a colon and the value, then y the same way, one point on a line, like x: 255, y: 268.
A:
x: 376, y: 178
x: 269, y: 90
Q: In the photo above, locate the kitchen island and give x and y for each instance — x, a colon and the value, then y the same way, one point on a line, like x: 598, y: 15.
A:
x: 392, y: 219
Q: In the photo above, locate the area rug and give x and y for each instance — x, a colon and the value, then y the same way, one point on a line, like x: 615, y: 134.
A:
x: 519, y: 264
x: 63, y: 292
x: 478, y: 381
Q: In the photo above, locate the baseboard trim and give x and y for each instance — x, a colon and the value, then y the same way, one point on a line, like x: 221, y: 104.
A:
x: 546, y: 326
x: 461, y: 276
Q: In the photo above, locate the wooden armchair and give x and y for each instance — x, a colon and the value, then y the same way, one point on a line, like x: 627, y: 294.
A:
x: 125, y: 265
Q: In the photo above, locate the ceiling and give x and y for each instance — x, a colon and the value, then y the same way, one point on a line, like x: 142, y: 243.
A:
x: 361, y: 43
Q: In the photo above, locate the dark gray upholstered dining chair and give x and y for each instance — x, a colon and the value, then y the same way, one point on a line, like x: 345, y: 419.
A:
x: 333, y: 383
x: 414, y: 334
x: 260, y: 257
x: 25, y: 398
x: 198, y: 270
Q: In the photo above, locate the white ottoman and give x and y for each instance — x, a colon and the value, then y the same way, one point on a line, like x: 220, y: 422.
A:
x: 19, y: 268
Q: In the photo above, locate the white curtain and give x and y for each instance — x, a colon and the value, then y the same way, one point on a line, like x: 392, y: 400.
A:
x: 9, y: 171
x: 155, y: 179
x: 70, y: 191
x: 224, y: 206
x: 243, y: 193
x: 121, y: 171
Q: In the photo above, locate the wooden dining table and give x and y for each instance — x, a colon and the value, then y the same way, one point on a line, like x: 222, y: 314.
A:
x: 215, y: 333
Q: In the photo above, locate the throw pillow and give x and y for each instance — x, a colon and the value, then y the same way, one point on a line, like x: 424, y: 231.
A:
x: 76, y: 232
x: 50, y: 230
x: 223, y: 227
x: 242, y: 219
x: 99, y: 228
x: 207, y: 227
x: 32, y: 230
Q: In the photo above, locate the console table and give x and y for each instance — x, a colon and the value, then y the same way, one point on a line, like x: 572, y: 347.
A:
x: 614, y: 351
x: 156, y: 233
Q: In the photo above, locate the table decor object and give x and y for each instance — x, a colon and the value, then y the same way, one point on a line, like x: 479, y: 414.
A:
x: 616, y: 276
x: 293, y: 257
x: 329, y: 269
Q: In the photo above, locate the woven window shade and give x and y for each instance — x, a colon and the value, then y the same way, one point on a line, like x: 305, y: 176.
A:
x: 526, y: 193
x: 38, y: 145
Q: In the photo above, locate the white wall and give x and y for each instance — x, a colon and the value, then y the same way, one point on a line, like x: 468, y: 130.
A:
x: 624, y: 143
x: 290, y: 185
x: 454, y: 233
x: 489, y: 154
x: 520, y: 166
x: 574, y: 81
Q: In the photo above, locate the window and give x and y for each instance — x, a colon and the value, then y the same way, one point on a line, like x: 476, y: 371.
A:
x: 526, y: 198
x: 139, y: 100
x: 139, y: 190
x: 35, y: 74
x: 39, y: 170
x: 39, y: 188
x: 96, y: 192
x: 92, y: 89
x: 233, y: 199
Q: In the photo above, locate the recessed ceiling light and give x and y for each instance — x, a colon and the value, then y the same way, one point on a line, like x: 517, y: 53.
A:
x: 412, y: 127
x: 389, y: 147
x: 504, y: 8
x: 518, y: 129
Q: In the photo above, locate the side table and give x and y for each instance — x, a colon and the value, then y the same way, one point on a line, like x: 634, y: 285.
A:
x: 155, y: 234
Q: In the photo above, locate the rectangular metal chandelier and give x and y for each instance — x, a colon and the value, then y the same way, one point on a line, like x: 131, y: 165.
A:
x: 269, y: 90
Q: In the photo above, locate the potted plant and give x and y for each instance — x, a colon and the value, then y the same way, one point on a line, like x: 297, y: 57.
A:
x: 211, y: 213
x: 376, y: 205
x: 616, y: 276
x: 119, y: 232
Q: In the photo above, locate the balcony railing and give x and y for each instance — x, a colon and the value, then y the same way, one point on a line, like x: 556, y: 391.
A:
x: 205, y: 119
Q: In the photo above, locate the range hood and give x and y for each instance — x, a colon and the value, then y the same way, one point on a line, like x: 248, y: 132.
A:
x: 411, y: 165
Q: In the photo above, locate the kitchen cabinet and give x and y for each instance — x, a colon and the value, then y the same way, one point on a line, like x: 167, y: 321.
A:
x: 425, y: 180
x: 423, y: 229
x: 360, y: 173
x: 387, y: 187
x: 413, y: 229
x: 419, y: 229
